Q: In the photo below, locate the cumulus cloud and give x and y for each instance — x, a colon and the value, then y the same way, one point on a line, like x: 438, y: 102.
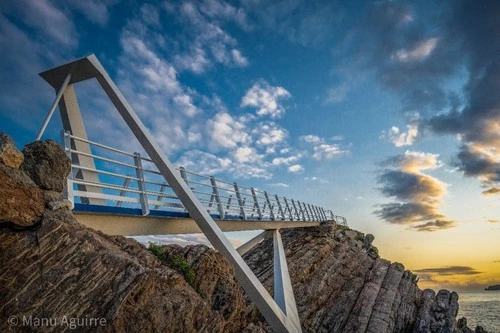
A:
x: 226, y: 131
x: 400, y: 139
x: 270, y: 134
x: 295, y: 168
x: 419, y: 195
x: 266, y: 99
x: 327, y: 151
x: 311, y: 138
x: 285, y: 160
x: 321, y: 149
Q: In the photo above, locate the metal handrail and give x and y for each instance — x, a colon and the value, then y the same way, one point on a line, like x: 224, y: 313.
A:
x: 223, y: 196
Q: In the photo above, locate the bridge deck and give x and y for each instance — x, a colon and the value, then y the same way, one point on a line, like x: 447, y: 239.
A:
x: 131, y: 222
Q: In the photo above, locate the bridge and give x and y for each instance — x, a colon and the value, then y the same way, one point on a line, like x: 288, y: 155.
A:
x: 128, y: 193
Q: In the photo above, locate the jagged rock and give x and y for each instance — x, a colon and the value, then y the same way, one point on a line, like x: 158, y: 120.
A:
x: 55, y: 200
x: 65, y: 269
x: 62, y: 268
x: 47, y: 164
x: 215, y: 281
x: 9, y: 154
x: 367, y: 242
x: 21, y: 201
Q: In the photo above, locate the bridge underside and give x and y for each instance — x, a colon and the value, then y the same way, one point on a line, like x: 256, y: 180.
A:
x: 136, y: 225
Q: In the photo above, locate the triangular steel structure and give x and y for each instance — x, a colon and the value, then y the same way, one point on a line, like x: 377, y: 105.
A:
x: 280, y: 312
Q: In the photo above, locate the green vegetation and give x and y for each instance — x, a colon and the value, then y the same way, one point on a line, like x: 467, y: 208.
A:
x: 177, y: 262
x: 158, y: 251
x: 180, y: 264
x: 414, y: 277
x: 342, y: 228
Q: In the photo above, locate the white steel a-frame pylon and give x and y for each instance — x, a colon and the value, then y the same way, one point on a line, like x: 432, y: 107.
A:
x: 280, y: 312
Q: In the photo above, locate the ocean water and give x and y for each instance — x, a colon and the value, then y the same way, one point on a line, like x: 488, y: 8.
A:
x: 480, y: 308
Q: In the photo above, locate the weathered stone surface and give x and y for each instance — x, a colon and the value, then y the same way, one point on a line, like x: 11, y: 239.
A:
x: 367, y: 242
x: 47, y: 164
x: 61, y: 268
x: 21, y: 201
x: 9, y: 154
x: 66, y: 269
x: 55, y: 200
x: 215, y: 282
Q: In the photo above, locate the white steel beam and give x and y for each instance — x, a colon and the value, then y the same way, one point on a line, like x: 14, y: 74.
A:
x: 254, y: 241
x: 283, y: 292
x: 90, y: 67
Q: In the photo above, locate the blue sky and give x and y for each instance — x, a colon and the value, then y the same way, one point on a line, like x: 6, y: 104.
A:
x: 386, y: 112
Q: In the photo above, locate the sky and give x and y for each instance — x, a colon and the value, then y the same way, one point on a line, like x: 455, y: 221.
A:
x: 385, y: 112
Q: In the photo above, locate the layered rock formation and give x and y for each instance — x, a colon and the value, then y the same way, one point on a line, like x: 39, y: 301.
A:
x: 51, y: 267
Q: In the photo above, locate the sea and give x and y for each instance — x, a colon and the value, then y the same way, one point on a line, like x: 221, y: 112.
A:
x: 480, y: 308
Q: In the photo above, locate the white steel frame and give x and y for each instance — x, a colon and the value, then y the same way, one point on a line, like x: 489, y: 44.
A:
x: 280, y: 312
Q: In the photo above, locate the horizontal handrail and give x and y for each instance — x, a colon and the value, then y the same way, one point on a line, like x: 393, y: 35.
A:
x: 217, y: 195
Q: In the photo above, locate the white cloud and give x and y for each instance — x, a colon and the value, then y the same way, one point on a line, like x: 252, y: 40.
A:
x: 150, y: 15
x: 94, y: 10
x: 336, y: 94
x: 195, y: 61
x: 266, y: 99
x: 204, y: 163
x: 322, y: 149
x: 46, y: 18
x: 278, y: 185
x: 238, y: 58
x: 205, y: 41
x: 400, y: 139
x: 311, y: 138
x: 244, y: 154
x: 419, y: 53
x: 223, y: 10
x: 295, y: 168
x: 270, y: 134
x: 327, y: 151
x: 226, y: 132
x: 285, y: 160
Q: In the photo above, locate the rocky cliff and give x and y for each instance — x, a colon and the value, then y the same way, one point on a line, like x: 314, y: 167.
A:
x: 51, y: 267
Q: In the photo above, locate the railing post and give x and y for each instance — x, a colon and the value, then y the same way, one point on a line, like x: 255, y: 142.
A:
x: 313, y: 215
x: 271, y: 212
x: 160, y: 198
x: 66, y: 141
x: 229, y: 201
x: 295, y: 209
x: 319, y: 213
x: 323, y: 214
x: 217, y: 197
x: 126, y: 182
x: 309, y: 216
x: 316, y: 212
x: 256, y: 203
x: 183, y: 174
x: 301, y: 210
x: 288, y: 209
x: 240, y: 201
x: 280, y: 209
x: 142, y: 186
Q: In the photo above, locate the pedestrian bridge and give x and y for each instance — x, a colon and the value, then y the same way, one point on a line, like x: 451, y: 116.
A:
x: 132, y: 193
x: 120, y: 192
